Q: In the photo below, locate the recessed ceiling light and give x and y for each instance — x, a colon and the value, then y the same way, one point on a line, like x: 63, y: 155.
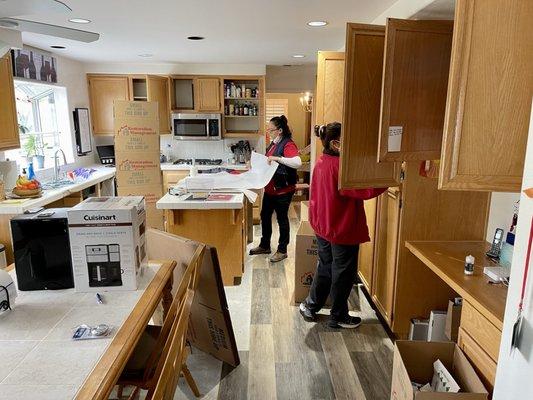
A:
x: 298, y: 56
x: 317, y: 23
x: 195, y: 37
x: 8, y: 24
x: 80, y: 20
x: 57, y: 47
x: 147, y: 55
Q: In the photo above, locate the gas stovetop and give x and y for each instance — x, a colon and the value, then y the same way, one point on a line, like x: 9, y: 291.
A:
x: 199, y: 161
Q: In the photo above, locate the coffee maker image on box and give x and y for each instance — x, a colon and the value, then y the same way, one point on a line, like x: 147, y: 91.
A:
x: 103, y: 262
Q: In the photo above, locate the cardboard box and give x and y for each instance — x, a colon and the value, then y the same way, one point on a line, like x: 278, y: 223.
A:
x: 139, y: 137
x: 305, y: 261
x: 304, y: 211
x: 413, y: 362
x: 437, y: 322
x: 453, y: 320
x: 138, y: 169
x: 107, y: 242
x: 151, y: 194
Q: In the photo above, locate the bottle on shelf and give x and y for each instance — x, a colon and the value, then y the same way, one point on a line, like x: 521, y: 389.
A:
x: 53, y: 73
x: 253, y: 93
x: 231, y: 109
x: 32, y: 69
x: 237, y: 109
x: 243, y: 90
x: 248, y: 92
x: 233, y: 90
x: 42, y: 71
x: 246, y: 109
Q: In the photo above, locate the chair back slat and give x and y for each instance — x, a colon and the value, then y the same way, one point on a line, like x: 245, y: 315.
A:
x: 189, y: 280
x: 173, y: 359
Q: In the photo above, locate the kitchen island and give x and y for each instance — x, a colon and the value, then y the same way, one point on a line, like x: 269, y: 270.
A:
x: 220, y: 221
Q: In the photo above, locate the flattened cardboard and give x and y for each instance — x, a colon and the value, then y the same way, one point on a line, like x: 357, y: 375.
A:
x: 413, y: 362
x: 210, y: 328
x: 453, y: 320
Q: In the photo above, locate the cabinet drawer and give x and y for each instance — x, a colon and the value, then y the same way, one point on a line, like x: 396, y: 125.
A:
x: 482, y: 362
x: 481, y: 330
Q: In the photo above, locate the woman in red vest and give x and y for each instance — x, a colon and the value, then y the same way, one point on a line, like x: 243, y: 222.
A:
x: 339, y: 221
x: 280, y: 189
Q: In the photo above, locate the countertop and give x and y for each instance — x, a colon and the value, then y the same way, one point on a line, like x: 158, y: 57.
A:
x: 186, y: 167
x: 172, y: 202
x: 39, y: 358
x: 50, y: 195
x: 446, y: 259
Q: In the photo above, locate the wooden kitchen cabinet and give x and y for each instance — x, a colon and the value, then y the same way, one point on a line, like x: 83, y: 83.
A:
x: 103, y: 91
x: 364, y: 65
x: 365, y: 266
x: 207, y: 91
x: 388, y: 221
x: 329, y: 91
x: 170, y: 178
x: 158, y: 90
x: 9, y: 131
x: 415, y: 80
x: 489, y: 96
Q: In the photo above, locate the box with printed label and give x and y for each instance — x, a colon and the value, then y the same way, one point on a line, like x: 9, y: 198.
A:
x: 305, y: 261
x: 151, y: 194
x: 138, y: 170
x: 137, y: 137
x: 107, y: 239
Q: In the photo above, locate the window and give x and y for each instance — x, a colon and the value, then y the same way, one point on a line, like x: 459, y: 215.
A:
x: 275, y: 108
x: 44, y: 124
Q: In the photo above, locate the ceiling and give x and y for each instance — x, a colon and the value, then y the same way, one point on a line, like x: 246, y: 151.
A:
x: 236, y: 31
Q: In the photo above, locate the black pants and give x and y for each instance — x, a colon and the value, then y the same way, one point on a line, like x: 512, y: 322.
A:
x: 335, y: 276
x: 280, y: 204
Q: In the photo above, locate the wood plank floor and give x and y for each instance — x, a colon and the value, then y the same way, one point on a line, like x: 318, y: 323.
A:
x: 285, y: 358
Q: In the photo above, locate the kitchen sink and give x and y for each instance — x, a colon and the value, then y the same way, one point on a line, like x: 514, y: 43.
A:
x: 56, y: 184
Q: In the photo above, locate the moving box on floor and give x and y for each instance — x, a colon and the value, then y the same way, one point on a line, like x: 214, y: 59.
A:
x: 413, y: 362
x: 210, y: 328
x: 304, y: 211
x: 305, y: 261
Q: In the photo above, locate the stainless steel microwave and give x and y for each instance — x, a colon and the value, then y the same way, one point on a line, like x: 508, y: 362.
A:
x: 196, y: 126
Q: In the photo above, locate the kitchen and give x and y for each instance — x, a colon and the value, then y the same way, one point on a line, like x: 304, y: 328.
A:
x: 143, y: 118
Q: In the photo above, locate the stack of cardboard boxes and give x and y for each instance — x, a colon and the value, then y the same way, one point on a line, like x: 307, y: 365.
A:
x: 137, y: 152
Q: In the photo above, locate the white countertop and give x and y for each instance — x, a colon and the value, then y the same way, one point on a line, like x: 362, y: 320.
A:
x: 186, y: 167
x: 16, y: 206
x: 39, y: 359
x: 171, y: 202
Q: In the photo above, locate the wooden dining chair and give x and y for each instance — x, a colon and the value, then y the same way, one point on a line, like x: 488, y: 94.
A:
x: 145, y: 363
x: 175, y: 357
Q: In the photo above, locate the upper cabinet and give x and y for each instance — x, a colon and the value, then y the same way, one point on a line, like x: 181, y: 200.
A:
x: 489, y: 96
x: 103, y: 91
x: 208, y: 94
x: 329, y: 90
x: 9, y: 132
x: 158, y: 90
x: 415, y: 80
x: 364, y: 65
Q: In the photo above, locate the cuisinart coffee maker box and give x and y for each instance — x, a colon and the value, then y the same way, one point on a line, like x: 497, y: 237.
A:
x: 107, y: 240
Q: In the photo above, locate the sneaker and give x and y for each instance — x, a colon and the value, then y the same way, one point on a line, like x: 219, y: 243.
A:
x: 308, y: 315
x: 347, y: 323
x: 259, y: 250
x: 278, y: 257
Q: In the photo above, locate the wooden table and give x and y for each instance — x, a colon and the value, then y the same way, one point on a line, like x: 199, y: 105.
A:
x: 42, y: 360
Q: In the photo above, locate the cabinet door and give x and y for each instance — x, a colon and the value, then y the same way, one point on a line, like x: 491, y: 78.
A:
x: 329, y: 91
x: 489, y: 96
x: 158, y: 91
x: 208, y: 94
x: 386, y: 252
x: 415, y: 81
x: 103, y: 91
x: 9, y: 131
x: 364, y: 64
x: 366, y: 250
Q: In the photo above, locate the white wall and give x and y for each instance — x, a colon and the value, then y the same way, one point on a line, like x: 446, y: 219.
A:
x: 176, y: 69
x: 502, y: 208
x: 515, y: 369
x: 401, y: 9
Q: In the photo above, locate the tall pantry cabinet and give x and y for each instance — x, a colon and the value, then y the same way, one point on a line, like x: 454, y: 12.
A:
x: 9, y: 131
x: 412, y: 208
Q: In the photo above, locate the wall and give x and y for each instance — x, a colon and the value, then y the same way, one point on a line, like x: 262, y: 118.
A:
x: 296, y: 116
x: 401, y: 9
x: 175, y: 69
x: 515, y: 368
x: 502, y: 207
x: 293, y: 79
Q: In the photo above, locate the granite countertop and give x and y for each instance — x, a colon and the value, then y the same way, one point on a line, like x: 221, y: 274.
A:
x: 39, y: 358
x: 172, y: 202
x: 16, y: 206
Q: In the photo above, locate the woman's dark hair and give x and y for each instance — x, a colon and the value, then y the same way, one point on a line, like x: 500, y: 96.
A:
x: 328, y: 133
x: 282, y: 123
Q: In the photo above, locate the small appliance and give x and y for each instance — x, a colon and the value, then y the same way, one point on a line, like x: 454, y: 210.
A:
x: 103, y: 262
x: 106, y: 154
x: 8, y: 292
x: 41, y: 248
x: 196, y: 126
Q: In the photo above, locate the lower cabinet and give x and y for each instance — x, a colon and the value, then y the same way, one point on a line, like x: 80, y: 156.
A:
x: 170, y: 178
x: 366, y: 250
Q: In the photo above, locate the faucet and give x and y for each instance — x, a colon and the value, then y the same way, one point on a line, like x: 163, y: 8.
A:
x: 56, y: 163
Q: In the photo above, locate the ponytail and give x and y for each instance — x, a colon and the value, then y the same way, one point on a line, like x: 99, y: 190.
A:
x: 282, y: 124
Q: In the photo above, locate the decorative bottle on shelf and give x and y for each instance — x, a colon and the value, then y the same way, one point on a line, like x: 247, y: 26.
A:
x: 53, y: 73
x: 42, y: 71
x: 31, y: 67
